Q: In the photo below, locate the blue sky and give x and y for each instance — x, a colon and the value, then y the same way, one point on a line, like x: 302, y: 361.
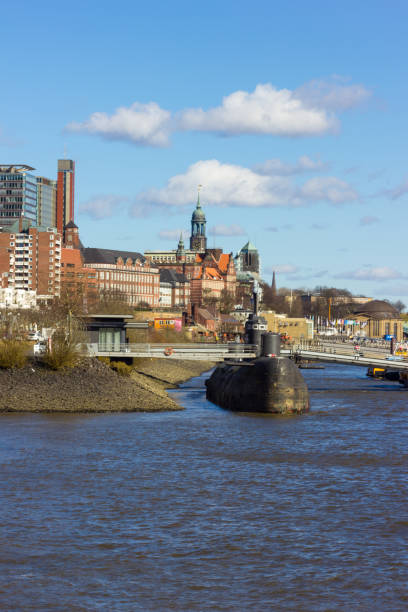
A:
x: 291, y: 115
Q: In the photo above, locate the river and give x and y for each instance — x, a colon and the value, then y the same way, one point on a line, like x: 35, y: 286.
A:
x: 206, y: 509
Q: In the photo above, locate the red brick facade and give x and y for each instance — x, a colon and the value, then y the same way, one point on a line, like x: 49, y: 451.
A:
x: 31, y: 259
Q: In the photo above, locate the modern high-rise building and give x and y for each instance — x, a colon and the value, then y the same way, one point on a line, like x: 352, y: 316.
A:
x: 65, y: 193
x: 46, y: 202
x: 18, y: 194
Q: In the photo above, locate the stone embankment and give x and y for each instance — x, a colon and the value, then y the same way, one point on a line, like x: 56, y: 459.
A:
x: 93, y: 386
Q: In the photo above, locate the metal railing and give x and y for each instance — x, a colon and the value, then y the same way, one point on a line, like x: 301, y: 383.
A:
x: 181, y: 351
x: 361, y: 358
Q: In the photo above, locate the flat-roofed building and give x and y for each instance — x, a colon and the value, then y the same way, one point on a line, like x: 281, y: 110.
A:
x: 46, y: 202
x: 18, y: 193
x: 30, y: 258
x: 65, y: 193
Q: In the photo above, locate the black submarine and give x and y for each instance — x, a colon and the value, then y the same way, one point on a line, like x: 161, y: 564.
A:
x: 270, y: 383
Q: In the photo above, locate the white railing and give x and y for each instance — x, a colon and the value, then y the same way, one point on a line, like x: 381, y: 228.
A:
x: 180, y: 351
x: 336, y: 356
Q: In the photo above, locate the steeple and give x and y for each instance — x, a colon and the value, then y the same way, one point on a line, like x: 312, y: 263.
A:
x: 198, y: 240
x: 180, y: 246
x: 181, y: 253
x: 273, y: 287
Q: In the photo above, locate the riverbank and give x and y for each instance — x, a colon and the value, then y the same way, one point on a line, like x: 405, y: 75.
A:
x: 93, y: 386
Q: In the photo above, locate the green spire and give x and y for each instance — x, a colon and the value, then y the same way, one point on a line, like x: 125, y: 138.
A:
x: 198, y: 214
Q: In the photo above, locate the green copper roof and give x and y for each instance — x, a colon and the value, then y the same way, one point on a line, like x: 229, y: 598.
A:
x: 248, y: 247
x: 198, y: 214
x: 181, y: 243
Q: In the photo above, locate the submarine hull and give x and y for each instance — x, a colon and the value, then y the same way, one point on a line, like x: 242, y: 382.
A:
x: 271, y: 385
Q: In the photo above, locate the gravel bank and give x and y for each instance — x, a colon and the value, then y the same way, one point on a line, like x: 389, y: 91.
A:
x: 94, y: 387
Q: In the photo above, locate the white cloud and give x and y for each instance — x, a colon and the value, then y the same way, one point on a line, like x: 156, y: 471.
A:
x: 232, y: 185
x: 287, y: 269
x: 332, y: 94
x: 329, y: 189
x: 369, y: 220
x: 173, y: 234
x: 102, y: 206
x: 383, y: 273
x: 308, y: 275
x: 226, y: 230
x: 266, y: 110
x: 306, y: 111
x: 276, y: 167
x: 142, y: 124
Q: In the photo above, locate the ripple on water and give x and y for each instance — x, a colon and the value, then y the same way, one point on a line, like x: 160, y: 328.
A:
x: 210, y: 510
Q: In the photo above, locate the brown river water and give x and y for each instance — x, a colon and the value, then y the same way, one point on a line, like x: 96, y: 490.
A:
x: 206, y: 509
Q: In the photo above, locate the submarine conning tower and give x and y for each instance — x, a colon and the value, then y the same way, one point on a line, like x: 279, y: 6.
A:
x: 256, y: 331
x: 255, y: 326
x: 269, y: 383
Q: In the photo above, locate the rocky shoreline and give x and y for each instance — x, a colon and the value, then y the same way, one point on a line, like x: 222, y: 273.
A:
x: 93, y: 386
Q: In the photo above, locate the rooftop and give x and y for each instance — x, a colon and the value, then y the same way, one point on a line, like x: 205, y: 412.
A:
x: 15, y: 168
x: 108, y: 256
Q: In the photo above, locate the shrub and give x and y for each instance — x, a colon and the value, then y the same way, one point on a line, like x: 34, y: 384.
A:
x: 65, y: 351
x: 13, y: 353
x: 121, y: 368
x: 105, y: 360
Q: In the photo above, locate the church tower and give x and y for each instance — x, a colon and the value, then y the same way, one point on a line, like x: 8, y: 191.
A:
x: 198, y: 240
x: 181, y: 253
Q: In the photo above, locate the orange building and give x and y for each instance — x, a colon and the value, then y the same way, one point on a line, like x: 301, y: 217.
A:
x: 214, y: 272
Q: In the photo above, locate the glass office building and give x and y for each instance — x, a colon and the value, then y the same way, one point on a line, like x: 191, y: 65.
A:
x: 46, y: 202
x: 18, y: 194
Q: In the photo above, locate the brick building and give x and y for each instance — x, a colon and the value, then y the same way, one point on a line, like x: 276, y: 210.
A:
x: 65, y: 200
x: 210, y: 271
x: 30, y: 258
x: 124, y: 273
x: 174, y: 289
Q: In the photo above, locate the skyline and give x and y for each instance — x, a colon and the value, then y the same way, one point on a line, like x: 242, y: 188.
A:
x: 298, y: 145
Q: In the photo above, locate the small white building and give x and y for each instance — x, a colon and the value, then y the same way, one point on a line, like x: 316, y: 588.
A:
x: 13, y: 299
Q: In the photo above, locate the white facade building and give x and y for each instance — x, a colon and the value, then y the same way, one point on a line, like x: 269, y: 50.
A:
x: 12, y: 299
